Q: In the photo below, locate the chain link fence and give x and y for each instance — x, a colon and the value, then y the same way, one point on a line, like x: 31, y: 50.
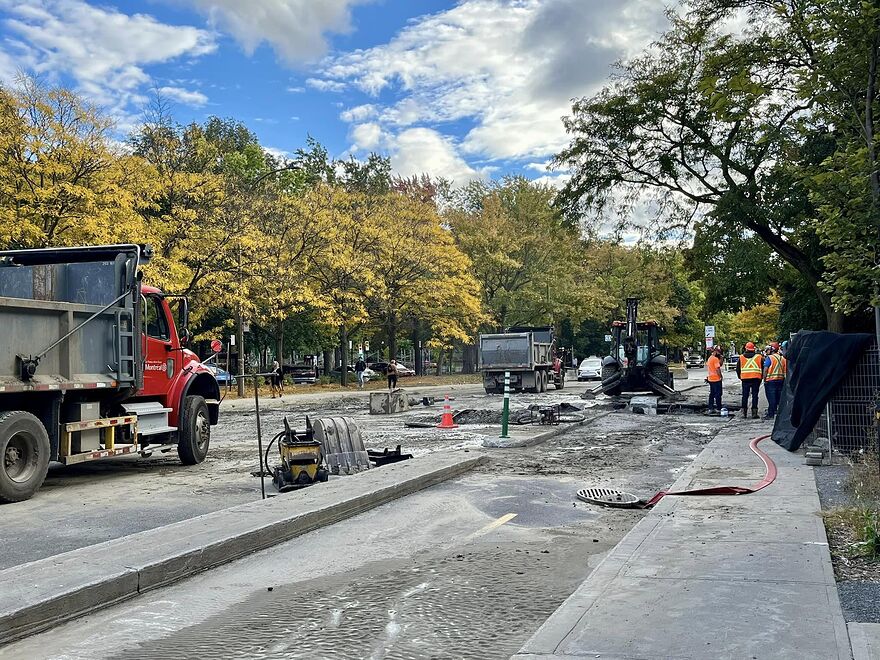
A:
x: 849, y: 423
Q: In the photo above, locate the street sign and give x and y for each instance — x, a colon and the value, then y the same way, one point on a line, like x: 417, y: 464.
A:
x: 710, y: 342
x: 216, y: 345
x: 232, y: 340
x: 710, y: 331
x: 608, y: 338
x: 245, y: 327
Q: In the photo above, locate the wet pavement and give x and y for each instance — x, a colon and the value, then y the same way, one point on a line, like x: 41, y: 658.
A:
x: 466, y: 569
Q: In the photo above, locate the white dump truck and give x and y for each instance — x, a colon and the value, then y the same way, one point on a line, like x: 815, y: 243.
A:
x: 527, y: 353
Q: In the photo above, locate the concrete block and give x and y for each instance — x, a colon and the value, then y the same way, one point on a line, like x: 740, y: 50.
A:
x: 388, y: 403
x: 865, y: 640
x: 679, y: 373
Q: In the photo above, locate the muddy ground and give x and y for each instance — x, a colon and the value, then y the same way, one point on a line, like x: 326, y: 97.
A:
x: 95, y: 502
x: 446, y: 572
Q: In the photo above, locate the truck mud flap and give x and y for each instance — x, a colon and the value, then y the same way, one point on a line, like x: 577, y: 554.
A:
x: 342, y: 443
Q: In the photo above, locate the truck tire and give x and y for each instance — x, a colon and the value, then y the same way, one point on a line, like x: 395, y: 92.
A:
x: 560, y: 384
x: 24, y: 452
x: 542, y: 382
x: 194, y: 433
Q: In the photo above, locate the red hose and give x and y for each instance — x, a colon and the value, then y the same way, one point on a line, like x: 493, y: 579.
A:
x: 769, y: 478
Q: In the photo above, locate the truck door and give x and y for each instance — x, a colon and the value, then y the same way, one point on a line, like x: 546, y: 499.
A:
x: 160, y: 364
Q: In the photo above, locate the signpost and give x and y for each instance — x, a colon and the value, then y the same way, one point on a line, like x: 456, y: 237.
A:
x: 505, y: 413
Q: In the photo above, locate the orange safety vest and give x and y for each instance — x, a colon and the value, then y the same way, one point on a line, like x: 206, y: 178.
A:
x: 714, y: 366
x: 751, y: 367
x: 778, y: 368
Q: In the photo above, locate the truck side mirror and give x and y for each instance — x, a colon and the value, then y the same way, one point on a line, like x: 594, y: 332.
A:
x: 183, y: 333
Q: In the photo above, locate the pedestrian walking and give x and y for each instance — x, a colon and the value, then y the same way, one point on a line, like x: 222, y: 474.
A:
x: 750, y: 369
x: 359, y: 368
x: 713, y: 364
x: 392, y: 375
x: 775, y: 371
x: 276, y: 379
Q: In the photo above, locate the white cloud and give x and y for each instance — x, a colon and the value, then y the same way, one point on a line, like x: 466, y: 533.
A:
x: 280, y: 154
x: 358, y: 113
x: 296, y: 90
x: 325, y: 85
x: 185, y: 96
x: 366, y: 136
x: 102, y: 49
x: 509, y: 67
x: 296, y: 29
x: 424, y: 150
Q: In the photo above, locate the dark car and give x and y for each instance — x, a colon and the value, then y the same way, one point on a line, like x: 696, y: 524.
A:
x: 300, y: 373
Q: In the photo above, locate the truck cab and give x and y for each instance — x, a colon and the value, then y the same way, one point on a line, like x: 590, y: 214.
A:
x: 93, y: 364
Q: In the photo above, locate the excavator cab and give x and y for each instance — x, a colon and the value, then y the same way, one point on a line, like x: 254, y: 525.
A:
x: 636, y: 363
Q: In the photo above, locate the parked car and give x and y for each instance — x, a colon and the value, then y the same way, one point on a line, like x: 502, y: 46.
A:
x: 382, y: 368
x: 369, y: 374
x: 694, y: 360
x: 223, y: 377
x: 404, y: 371
x: 300, y: 373
x: 590, y: 369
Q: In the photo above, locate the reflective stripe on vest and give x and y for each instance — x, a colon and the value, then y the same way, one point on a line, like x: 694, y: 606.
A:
x: 751, y: 367
x: 777, y: 368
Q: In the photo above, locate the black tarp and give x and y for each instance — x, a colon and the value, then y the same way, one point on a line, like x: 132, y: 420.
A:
x: 817, y: 364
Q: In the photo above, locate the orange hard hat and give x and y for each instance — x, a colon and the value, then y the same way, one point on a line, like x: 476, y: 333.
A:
x: 750, y: 346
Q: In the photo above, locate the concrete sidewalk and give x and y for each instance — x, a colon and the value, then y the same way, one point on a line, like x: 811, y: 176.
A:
x: 746, y: 576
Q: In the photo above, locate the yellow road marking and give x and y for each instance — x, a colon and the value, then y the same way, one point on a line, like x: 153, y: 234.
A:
x: 507, y: 517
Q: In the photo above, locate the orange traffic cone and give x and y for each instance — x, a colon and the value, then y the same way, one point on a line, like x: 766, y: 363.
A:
x: 446, y: 422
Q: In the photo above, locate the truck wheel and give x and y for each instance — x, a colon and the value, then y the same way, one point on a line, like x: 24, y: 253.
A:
x: 194, y: 434
x: 542, y: 382
x: 561, y: 382
x: 24, y: 452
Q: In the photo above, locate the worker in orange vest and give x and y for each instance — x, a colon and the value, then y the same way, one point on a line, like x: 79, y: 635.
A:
x: 713, y: 364
x: 775, y: 370
x: 750, y: 369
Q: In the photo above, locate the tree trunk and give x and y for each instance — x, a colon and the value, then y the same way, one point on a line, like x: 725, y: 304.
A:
x: 279, y: 344
x: 328, y: 361
x: 834, y: 320
x: 417, y: 348
x: 469, y: 359
x: 439, y: 369
x: 392, y: 337
x: 502, y: 318
x: 343, y: 346
x: 874, y: 166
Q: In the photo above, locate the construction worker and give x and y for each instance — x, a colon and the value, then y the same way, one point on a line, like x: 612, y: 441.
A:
x: 775, y: 370
x: 713, y: 364
x: 750, y: 369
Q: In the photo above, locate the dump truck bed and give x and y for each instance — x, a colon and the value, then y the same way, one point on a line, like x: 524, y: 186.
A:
x: 90, y: 294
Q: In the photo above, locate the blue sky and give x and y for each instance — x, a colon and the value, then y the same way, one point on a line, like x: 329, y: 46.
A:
x: 466, y: 90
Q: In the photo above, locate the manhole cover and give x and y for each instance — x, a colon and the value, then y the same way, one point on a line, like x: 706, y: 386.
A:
x: 608, y: 497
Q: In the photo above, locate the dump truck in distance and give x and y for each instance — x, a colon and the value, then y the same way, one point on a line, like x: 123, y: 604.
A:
x: 93, y: 365
x: 527, y: 353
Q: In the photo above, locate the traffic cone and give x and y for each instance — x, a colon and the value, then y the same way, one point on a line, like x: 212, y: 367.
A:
x: 446, y: 422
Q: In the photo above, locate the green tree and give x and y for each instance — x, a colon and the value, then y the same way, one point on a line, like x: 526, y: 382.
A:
x: 699, y: 123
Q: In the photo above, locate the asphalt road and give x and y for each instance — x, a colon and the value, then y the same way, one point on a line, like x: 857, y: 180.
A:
x: 469, y: 568
x: 93, y: 502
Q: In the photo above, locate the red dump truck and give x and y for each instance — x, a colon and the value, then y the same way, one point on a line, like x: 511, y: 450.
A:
x: 93, y: 365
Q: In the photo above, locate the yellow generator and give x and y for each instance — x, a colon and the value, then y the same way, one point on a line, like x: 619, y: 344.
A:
x: 302, y: 459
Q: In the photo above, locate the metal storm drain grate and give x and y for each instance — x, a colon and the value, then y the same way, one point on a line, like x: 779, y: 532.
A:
x: 608, y: 497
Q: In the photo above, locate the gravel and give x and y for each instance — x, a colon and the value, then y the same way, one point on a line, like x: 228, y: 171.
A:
x: 859, y: 599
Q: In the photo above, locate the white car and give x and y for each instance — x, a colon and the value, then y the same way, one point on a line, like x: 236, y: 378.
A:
x: 590, y: 369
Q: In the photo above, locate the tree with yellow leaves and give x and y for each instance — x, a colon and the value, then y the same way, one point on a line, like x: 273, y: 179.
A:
x: 60, y: 181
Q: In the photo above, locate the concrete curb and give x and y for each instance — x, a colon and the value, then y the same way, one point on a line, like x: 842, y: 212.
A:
x: 510, y: 443
x: 40, y: 595
x: 865, y: 640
